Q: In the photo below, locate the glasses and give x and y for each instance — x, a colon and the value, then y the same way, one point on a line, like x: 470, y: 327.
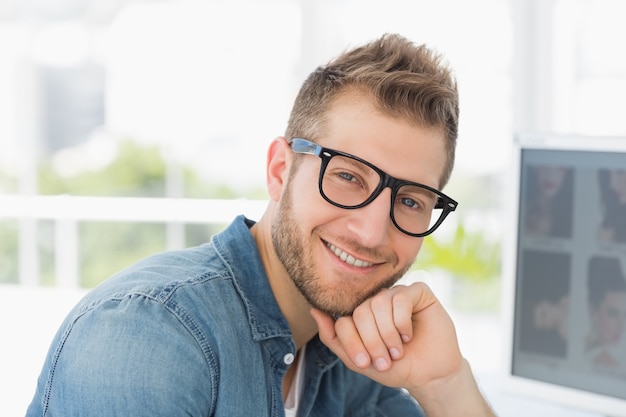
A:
x: 349, y: 182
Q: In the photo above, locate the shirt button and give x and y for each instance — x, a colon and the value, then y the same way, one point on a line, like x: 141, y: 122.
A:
x: 288, y: 358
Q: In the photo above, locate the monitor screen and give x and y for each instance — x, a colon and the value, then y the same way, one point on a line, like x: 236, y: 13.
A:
x: 566, y: 272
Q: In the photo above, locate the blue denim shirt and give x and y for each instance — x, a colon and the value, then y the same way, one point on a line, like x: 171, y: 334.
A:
x: 195, y: 332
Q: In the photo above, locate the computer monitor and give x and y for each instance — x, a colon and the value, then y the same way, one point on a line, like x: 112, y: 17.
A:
x: 564, y: 272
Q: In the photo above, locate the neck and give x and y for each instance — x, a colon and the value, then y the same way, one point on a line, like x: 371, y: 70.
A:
x: 290, y: 301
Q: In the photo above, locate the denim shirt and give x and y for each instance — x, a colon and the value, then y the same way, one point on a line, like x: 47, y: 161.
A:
x: 195, y: 332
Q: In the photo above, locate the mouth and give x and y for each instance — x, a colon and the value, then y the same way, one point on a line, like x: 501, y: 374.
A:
x: 347, y: 258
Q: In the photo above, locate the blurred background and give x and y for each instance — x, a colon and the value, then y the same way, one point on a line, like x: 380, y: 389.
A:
x: 129, y: 127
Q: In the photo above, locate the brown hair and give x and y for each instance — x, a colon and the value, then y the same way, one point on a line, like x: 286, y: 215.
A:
x: 405, y: 80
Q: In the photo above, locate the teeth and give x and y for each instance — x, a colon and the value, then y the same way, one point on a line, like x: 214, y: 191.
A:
x: 349, y: 259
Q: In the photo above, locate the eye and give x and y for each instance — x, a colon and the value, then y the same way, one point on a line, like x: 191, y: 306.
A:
x: 415, y: 199
x: 410, y: 203
x: 350, y: 175
x: 346, y: 176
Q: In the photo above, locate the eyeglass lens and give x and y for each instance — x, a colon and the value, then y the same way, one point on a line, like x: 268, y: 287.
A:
x: 349, y: 183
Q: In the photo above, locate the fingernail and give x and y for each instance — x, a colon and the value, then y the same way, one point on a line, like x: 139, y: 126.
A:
x: 394, y: 353
x: 361, y: 360
x: 405, y: 338
x: 381, y: 364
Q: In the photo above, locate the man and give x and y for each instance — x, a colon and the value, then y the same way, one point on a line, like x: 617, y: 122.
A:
x: 295, y: 314
x: 606, y: 289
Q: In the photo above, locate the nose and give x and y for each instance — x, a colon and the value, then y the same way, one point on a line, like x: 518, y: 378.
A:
x: 372, y: 223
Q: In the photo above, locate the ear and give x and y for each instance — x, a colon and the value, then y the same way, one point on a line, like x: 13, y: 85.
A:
x: 279, y: 159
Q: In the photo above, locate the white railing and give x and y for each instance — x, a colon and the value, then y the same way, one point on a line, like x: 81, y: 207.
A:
x: 67, y: 211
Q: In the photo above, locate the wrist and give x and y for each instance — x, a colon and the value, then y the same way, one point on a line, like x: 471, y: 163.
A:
x: 454, y: 395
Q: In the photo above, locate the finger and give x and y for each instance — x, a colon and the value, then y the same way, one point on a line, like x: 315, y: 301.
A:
x: 430, y: 320
x: 328, y: 335
x: 403, y: 314
x: 385, y: 315
x: 351, y: 342
x: 422, y: 296
x: 367, y: 329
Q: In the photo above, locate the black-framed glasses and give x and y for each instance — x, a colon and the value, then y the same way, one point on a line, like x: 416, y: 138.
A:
x: 349, y: 182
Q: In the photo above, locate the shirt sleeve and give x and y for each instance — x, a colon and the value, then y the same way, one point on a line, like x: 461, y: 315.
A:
x: 398, y: 402
x: 366, y: 397
x: 132, y: 356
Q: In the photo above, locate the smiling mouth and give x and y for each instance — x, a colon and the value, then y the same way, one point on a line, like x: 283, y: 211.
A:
x: 347, y: 258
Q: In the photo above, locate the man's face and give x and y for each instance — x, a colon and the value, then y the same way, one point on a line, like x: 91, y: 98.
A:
x: 336, y: 257
x: 550, y: 179
x: 610, y: 318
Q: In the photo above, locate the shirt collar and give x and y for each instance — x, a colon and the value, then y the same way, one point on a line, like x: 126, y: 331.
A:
x: 237, y: 249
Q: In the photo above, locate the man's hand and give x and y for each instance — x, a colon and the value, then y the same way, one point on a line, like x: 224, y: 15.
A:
x: 403, y: 337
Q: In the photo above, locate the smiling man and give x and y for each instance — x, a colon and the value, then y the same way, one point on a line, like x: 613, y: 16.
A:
x: 295, y: 314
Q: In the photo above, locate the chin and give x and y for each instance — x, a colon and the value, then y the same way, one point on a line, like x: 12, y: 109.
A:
x: 341, y: 302
x: 336, y: 311
x: 334, y: 307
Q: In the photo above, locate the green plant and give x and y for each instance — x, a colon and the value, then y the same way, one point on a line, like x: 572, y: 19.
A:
x: 471, y: 261
x: 467, y: 256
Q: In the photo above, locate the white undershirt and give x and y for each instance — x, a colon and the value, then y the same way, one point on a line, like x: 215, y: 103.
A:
x: 295, y: 390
